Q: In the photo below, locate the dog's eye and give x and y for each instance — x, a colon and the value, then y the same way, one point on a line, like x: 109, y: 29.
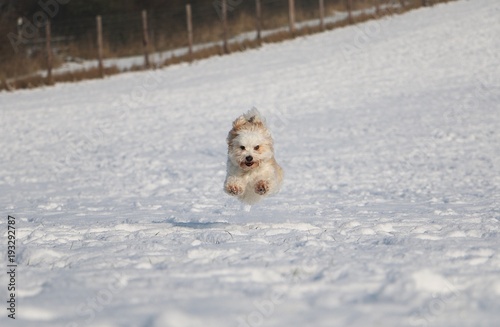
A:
x: 256, y: 147
x: 242, y: 147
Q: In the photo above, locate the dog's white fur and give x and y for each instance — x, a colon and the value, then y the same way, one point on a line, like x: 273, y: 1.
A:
x: 250, y: 180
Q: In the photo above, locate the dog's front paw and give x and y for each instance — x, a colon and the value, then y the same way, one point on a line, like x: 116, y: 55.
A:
x: 233, y: 189
x: 261, y: 187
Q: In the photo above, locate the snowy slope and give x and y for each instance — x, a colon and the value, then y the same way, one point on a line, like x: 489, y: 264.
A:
x: 389, y: 215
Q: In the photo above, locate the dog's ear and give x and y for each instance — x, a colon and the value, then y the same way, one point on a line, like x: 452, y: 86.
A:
x: 230, y: 137
x: 238, y: 123
x: 253, y: 116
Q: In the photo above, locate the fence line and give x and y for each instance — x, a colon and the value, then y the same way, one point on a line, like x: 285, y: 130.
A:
x: 223, y: 8
x: 99, y: 46
x: 291, y: 16
x: 48, y: 47
x: 145, y: 38
x: 224, y: 25
x: 258, y: 20
x: 189, y: 20
x: 322, y: 14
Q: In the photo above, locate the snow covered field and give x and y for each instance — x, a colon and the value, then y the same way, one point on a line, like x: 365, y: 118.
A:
x: 389, y: 216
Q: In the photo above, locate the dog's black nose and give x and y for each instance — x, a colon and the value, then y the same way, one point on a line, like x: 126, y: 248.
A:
x: 249, y: 158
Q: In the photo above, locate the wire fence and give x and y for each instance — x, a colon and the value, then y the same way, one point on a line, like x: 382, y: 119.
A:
x: 162, y: 36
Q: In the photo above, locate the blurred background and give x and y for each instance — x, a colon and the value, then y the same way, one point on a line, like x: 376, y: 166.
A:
x: 156, y: 27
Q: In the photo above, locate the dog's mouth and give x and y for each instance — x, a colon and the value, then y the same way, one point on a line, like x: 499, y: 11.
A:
x: 249, y: 164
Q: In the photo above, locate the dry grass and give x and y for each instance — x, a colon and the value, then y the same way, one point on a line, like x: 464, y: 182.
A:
x: 74, y: 76
x: 18, y: 65
x: 241, y: 24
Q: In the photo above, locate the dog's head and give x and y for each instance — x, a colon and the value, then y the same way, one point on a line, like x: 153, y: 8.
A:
x: 249, y: 141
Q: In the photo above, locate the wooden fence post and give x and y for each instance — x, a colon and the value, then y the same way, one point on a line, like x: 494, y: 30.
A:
x: 224, y: 26
x: 322, y: 14
x: 99, y: 45
x: 349, y: 10
x: 50, y: 80
x: 258, y: 18
x: 377, y: 8
x: 291, y: 16
x: 145, y: 38
x: 190, y: 30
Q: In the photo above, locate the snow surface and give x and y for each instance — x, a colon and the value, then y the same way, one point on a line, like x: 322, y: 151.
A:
x: 388, y: 133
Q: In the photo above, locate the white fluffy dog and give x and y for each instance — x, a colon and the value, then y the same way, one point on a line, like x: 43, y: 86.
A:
x: 252, y: 171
